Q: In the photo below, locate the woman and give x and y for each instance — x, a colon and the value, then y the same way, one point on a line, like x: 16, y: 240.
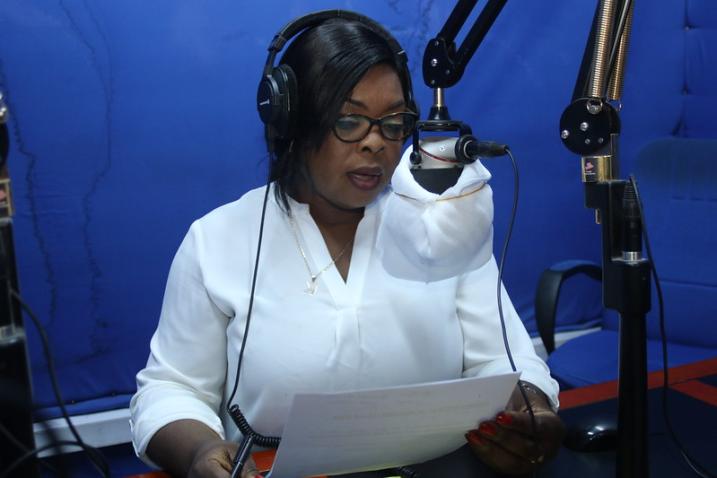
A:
x: 327, y: 314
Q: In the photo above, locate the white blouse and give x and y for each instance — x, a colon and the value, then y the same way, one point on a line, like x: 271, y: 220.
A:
x: 378, y: 328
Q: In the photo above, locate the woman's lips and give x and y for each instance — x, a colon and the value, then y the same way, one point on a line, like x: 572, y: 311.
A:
x: 365, y: 180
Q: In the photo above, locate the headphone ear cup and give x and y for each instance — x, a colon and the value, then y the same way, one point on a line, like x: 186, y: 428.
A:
x: 277, y: 101
x: 289, y: 101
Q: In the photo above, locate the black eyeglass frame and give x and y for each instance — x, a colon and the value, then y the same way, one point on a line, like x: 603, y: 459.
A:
x: 379, y: 122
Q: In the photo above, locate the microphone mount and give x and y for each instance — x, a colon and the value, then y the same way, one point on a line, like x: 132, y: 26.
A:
x: 590, y: 127
x: 443, y: 67
x: 443, y: 64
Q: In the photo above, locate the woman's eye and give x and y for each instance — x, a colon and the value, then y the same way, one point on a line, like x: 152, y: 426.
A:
x: 394, y: 128
x: 396, y: 122
x: 347, y: 123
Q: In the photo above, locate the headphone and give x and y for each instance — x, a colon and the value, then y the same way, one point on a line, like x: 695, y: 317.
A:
x: 276, y: 98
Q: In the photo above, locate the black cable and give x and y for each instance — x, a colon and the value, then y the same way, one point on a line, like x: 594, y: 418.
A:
x: 52, y: 437
x: 503, y: 255
x: 698, y: 468
x: 234, y: 410
x: 32, y: 453
x: 11, y: 438
x: 21, y: 446
x: 93, y: 454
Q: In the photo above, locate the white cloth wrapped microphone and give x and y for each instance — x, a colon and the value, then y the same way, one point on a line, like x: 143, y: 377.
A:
x: 429, y: 237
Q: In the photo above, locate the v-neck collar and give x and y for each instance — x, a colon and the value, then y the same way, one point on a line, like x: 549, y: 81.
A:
x: 344, y: 293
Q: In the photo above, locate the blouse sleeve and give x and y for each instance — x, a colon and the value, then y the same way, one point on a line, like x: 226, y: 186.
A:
x: 484, y: 350
x: 186, y: 369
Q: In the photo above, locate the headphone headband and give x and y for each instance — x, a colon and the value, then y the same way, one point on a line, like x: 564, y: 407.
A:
x: 296, y: 26
x: 276, y: 96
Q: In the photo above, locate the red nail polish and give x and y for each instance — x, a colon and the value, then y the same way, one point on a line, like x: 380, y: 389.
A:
x: 475, y: 438
x: 504, y: 419
x: 487, y: 428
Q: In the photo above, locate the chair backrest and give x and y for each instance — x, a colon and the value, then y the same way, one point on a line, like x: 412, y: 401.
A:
x: 677, y: 180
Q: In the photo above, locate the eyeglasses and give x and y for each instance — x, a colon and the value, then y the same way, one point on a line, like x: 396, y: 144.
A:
x: 394, y: 127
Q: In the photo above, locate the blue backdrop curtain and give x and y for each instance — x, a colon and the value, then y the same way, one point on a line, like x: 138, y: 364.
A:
x: 131, y: 119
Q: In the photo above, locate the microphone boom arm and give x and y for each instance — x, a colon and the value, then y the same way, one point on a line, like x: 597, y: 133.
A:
x: 443, y: 65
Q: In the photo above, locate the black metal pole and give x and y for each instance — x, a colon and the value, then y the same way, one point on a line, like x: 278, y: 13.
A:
x: 16, y: 436
x: 626, y: 289
x: 15, y: 388
x: 590, y: 127
x: 632, y: 402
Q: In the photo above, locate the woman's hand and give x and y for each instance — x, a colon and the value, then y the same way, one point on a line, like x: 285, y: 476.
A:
x: 214, y: 460
x: 190, y: 448
x: 510, y: 443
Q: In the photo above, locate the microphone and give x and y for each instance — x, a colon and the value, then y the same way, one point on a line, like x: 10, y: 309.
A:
x: 439, y: 160
x: 468, y: 148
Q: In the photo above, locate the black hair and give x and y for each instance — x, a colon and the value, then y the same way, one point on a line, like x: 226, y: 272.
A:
x: 328, y: 61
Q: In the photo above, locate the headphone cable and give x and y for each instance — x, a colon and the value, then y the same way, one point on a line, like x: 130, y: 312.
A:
x: 234, y: 411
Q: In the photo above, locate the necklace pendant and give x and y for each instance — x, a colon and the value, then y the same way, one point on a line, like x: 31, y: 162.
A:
x: 311, y: 286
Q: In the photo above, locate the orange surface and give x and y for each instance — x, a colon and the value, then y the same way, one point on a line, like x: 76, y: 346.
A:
x: 700, y: 391
x: 263, y: 459
x: 678, y: 376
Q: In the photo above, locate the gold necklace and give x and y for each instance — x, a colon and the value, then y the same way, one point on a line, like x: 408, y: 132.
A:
x: 311, y: 284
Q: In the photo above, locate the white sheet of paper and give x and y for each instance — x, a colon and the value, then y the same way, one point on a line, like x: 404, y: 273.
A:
x: 334, y: 433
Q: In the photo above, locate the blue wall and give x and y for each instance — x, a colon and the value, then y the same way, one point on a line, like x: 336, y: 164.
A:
x: 131, y: 119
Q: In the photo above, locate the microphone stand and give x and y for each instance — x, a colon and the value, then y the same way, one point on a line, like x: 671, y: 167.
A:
x: 590, y: 127
x: 15, y: 384
x: 443, y: 67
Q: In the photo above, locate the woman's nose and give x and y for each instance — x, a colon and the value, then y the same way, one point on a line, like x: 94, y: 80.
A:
x: 374, y: 140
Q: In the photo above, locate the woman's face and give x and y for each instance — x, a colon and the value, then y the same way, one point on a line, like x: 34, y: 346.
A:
x: 351, y: 175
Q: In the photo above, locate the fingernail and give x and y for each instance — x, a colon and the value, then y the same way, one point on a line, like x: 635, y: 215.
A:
x: 487, y: 428
x: 475, y: 438
x: 504, y: 419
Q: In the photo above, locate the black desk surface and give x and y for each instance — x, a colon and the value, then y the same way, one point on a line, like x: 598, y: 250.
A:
x: 692, y: 409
